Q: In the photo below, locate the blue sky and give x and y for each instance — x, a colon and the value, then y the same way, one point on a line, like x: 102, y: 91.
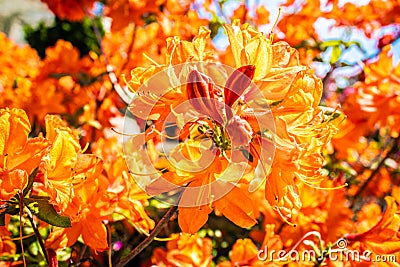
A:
x: 324, y: 29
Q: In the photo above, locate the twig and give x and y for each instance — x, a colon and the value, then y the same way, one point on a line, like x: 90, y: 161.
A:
x: 165, y: 219
x: 393, y: 150
x: 21, y: 214
x: 38, y: 235
x: 82, y: 253
x: 109, y: 243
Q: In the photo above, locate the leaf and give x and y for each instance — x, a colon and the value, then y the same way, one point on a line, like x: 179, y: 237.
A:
x: 10, y: 208
x: 247, y: 155
x: 336, y: 53
x: 46, y: 212
x: 215, y: 24
x: 31, y: 178
x: 330, y: 43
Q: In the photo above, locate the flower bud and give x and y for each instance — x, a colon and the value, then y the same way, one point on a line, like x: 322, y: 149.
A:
x: 203, y: 95
x: 239, y: 80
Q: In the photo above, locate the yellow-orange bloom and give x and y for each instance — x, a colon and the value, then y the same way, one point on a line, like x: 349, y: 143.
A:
x: 18, y: 154
x: 221, y: 122
x: 184, y: 250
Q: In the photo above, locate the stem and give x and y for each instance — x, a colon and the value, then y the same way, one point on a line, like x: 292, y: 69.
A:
x: 21, y: 213
x: 109, y: 243
x: 82, y: 253
x: 38, y: 235
x: 165, y: 219
x: 393, y: 150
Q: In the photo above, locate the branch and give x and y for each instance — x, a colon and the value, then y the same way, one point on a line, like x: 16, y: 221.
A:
x: 145, y: 243
x: 110, y: 70
x: 38, y: 235
x: 394, y: 149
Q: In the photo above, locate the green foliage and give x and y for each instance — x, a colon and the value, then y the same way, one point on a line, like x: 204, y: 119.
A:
x: 80, y: 34
x: 215, y: 24
x: 46, y: 212
x: 337, y: 47
x: 38, y: 205
x: 31, y: 179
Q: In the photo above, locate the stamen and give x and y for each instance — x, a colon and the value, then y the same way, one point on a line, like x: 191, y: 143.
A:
x: 324, y: 188
x: 271, y: 36
x: 123, y: 76
x: 86, y: 147
x: 166, y: 135
x: 162, y: 239
x: 225, y: 156
x: 263, y: 168
x: 211, y: 202
x: 151, y: 60
x: 203, y: 192
x: 5, y: 162
x: 23, y: 237
x: 314, y: 233
x: 284, y: 217
x: 115, y: 131
x: 141, y: 230
x: 148, y: 174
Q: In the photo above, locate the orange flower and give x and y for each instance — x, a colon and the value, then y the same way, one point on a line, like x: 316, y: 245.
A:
x: 384, y: 237
x: 245, y: 253
x: 184, y: 250
x: 368, y: 17
x: 299, y: 27
x: 18, y: 155
x: 221, y: 122
x: 122, y: 195
x: 19, y: 66
x: 73, y: 10
x: 318, y: 212
x: 71, y: 180
x: 7, y: 246
x: 206, y: 189
x: 86, y: 219
x: 302, y: 127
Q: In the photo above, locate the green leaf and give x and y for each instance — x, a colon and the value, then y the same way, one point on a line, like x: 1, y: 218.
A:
x: 336, y: 53
x: 215, y: 24
x: 247, y: 155
x: 330, y: 43
x: 46, y: 212
x: 31, y: 178
x: 11, y: 208
x: 10, y: 258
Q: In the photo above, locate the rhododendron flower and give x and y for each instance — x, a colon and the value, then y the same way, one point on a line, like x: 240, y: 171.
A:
x: 384, y: 237
x: 65, y: 166
x: 184, y: 250
x: 18, y: 154
x: 73, y: 10
x: 228, y: 115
